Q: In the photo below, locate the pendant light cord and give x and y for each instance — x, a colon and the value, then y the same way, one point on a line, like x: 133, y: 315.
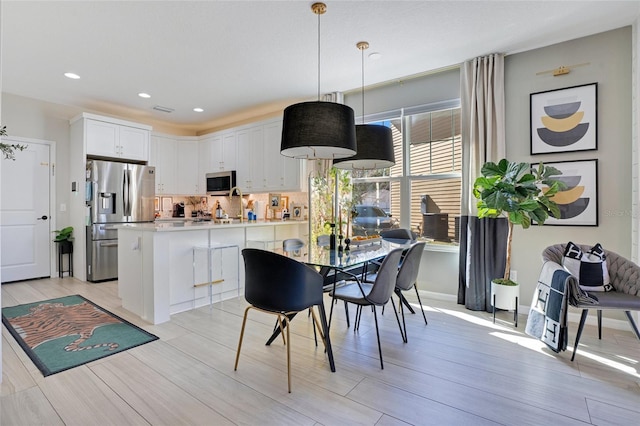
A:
x: 362, y: 45
x: 319, y: 57
x: 362, y: 51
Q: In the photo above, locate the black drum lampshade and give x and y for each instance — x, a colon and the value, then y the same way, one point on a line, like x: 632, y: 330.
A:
x: 374, y: 146
x: 318, y: 130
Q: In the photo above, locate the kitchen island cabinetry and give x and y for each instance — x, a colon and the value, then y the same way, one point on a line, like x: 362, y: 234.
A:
x: 156, y: 273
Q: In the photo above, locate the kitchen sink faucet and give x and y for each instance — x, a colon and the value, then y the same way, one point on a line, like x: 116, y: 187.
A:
x: 239, y: 191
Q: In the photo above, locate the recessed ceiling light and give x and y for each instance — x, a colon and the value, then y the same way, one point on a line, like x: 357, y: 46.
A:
x: 144, y: 95
x: 71, y: 75
x: 375, y: 55
x: 198, y: 109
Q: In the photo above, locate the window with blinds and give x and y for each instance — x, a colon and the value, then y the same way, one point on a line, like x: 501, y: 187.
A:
x: 428, y: 154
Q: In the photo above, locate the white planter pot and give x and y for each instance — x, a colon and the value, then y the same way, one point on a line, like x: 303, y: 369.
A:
x: 506, y: 296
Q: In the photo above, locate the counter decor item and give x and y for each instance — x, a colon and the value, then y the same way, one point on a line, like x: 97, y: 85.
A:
x: 296, y: 211
x: 332, y: 237
x: 194, y: 202
x: 275, y: 202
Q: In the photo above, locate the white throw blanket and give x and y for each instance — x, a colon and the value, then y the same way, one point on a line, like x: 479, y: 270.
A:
x: 547, y: 319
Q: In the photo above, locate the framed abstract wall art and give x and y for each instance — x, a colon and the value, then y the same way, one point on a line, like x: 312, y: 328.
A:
x: 564, y: 120
x: 578, y: 202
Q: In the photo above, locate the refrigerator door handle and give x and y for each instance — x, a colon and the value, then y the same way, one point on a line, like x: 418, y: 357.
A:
x: 126, y: 195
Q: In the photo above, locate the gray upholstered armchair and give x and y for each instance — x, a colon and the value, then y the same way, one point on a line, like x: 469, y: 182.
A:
x: 624, y: 275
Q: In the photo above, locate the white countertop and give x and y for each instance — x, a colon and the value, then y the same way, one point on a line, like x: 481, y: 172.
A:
x: 187, y: 225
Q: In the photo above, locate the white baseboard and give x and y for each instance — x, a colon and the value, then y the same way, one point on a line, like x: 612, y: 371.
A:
x: 573, y: 315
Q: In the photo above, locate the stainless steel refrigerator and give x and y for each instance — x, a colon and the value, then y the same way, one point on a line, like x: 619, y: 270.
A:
x: 116, y: 193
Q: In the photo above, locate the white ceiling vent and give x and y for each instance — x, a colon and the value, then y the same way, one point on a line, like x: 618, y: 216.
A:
x: 163, y: 109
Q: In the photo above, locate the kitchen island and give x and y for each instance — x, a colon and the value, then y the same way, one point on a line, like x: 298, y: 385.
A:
x: 163, y: 267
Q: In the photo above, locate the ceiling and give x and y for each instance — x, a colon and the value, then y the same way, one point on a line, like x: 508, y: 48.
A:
x: 238, y: 59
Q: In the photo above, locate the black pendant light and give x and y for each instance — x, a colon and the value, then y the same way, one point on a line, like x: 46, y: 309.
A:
x: 374, y: 142
x: 318, y: 130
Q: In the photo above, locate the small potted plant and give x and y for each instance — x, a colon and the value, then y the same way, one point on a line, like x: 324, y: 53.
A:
x: 64, y: 237
x: 194, y: 202
x: 523, y: 195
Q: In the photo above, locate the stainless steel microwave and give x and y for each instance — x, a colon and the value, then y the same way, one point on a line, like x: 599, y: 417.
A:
x: 220, y: 183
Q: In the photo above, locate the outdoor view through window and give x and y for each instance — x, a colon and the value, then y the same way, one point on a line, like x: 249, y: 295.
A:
x: 428, y: 157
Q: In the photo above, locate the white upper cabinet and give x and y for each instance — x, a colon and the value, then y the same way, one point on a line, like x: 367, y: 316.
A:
x: 261, y: 167
x: 113, y: 140
x: 188, y: 177
x: 228, y: 153
x: 204, y: 164
x: 281, y: 173
x: 221, y: 152
x: 251, y: 161
x: 163, y: 157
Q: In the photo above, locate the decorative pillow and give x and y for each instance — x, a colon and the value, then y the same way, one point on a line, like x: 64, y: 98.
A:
x: 590, y: 268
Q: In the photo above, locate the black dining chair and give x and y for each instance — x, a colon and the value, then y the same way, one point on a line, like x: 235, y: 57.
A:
x: 399, y: 235
x: 281, y: 286
x: 376, y: 294
x: 408, y: 278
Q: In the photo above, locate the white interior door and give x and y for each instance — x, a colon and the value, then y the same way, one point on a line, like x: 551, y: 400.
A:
x: 25, y: 228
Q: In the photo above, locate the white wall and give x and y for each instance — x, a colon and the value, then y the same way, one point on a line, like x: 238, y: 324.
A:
x: 32, y: 118
x: 609, y: 55
x: 403, y: 93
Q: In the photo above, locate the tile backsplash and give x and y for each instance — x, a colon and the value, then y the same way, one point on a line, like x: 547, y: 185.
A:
x: 231, y: 205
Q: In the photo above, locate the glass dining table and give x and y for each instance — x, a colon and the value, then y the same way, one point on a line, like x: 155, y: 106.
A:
x: 333, y: 262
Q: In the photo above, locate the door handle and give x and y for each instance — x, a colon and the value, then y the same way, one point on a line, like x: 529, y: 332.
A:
x: 43, y: 217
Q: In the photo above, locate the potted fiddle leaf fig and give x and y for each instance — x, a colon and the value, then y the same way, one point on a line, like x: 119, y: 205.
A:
x: 521, y: 193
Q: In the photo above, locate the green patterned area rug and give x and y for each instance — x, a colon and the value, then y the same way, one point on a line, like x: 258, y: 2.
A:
x: 59, y: 334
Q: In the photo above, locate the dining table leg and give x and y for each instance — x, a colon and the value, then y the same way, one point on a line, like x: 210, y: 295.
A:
x: 277, y: 330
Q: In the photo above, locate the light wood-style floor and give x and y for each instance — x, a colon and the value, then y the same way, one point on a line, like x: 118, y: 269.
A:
x: 458, y: 369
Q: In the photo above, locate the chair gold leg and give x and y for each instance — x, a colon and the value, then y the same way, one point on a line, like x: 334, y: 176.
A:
x: 282, y: 330
x: 244, y: 322
x: 286, y: 320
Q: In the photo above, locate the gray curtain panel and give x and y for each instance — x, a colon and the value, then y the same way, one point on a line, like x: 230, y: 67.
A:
x: 483, y: 255
x: 482, y: 241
